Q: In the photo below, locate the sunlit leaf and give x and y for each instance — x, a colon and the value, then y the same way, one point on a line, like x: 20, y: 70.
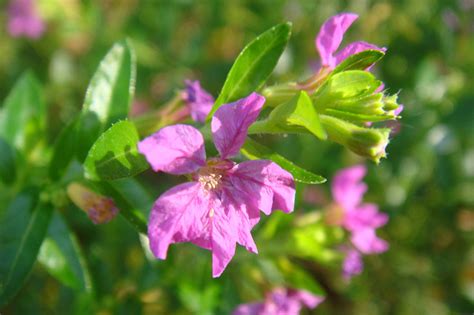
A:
x: 115, y: 155
x: 253, y: 65
x: 295, y: 116
x: 108, y: 96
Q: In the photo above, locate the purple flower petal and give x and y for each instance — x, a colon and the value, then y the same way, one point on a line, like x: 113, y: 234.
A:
x: 364, y: 216
x: 199, y: 101
x: 23, y: 20
x: 230, y: 123
x: 249, y: 309
x: 354, y: 48
x: 366, y: 241
x: 265, y: 184
x: 179, y: 215
x: 352, y: 265
x: 330, y: 36
x: 347, y: 188
x: 307, y: 298
x: 177, y: 149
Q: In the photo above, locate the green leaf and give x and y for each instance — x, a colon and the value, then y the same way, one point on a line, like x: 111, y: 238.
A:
x: 360, y: 61
x: 7, y: 163
x: 347, y: 85
x: 64, y: 150
x: 128, y: 209
x: 296, y: 115
x: 254, y: 65
x: 23, y: 228
x: 115, y: 155
x: 255, y: 151
x: 297, y: 278
x: 108, y: 96
x: 23, y: 117
x: 62, y: 257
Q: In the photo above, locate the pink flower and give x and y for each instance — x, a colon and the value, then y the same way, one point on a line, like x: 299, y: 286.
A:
x: 220, y: 205
x: 360, y: 219
x: 198, y: 100
x: 353, y: 264
x: 281, y: 302
x: 23, y: 19
x: 330, y: 37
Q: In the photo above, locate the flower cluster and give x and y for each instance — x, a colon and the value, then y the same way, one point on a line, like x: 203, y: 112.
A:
x: 358, y: 218
x: 23, y: 19
x: 281, y: 301
x: 220, y: 205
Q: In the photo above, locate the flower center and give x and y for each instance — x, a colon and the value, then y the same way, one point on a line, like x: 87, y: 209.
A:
x: 210, y: 176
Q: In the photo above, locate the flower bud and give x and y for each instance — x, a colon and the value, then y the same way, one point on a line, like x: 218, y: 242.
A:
x: 367, y: 142
x: 100, y: 209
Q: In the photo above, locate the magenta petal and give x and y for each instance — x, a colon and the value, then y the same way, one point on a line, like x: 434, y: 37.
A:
x: 179, y: 215
x: 354, y: 48
x: 230, y: 123
x: 261, y: 177
x: 308, y: 299
x: 367, y: 242
x: 249, y: 309
x: 347, y: 188
x: 199, y: 101
x: 224, y: 236
x: 364, y: 216
x: 177, y: 149
x: 353, y: 264
x: 330, y: 36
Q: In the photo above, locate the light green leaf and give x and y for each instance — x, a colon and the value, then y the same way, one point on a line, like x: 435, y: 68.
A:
x: 360, y: 61
x: 347, y: 85
x: 62, y: 257
x: 253, y: 65
x: 108, y: 96
x: 255, y: 151
x: 115, y: 155
x: 23, y: 228
x: 7, y: 163
x: 23, y: 116
x: 297, y: 115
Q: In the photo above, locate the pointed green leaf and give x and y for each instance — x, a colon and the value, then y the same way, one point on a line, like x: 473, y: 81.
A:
x: 108, y: 96
x: 62, y: 257
x: 295, y: 116
x: 7, y: 163
x: 360, y: 61
x: 115, y: 155
x: 23, y: 227
x: 23, y: 116
x: 255, y: 151
x: 254, y: 65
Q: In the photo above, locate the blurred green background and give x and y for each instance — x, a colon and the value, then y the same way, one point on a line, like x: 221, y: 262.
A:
x: 426, y: 184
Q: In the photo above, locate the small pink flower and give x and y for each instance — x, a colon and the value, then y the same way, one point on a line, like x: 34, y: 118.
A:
x: 221, y: 204
x: 23, y: 19
x: 281, y: 301
x: 198, y: 100
x: 330, y: 37
x: 353, y: 264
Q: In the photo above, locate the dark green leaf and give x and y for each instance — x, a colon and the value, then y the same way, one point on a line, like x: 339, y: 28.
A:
x: 253, y: 65
x: 108, y: 96
x: 360, y: 61
x: 23, y: 117
x: 296, y: 115
x: 64, y: 150
x: 254, y: 151
x: 61, y: 255
x: 7, y: 163
x: 23, y: 228
x: 115, y: 155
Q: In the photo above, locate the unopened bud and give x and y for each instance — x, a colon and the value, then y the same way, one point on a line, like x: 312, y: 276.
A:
x: 100, y: 209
